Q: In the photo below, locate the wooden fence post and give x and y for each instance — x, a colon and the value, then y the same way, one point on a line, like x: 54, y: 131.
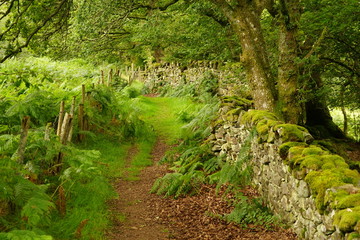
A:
x: 110, y: 77
x: 102, y: 77
x: 81, y: 121
x: 65, y: 129
x: 72, y: 111
x: 61, y: 118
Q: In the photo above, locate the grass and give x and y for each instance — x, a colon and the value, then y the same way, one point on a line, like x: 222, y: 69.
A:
x: 165, y: 115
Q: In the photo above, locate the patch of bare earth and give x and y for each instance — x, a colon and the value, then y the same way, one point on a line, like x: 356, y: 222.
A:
x: 150, y: 217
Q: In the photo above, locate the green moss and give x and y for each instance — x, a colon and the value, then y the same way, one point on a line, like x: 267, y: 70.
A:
x: 348, y: 201
x: 235, y: 101
x: 252, y: 117
x: 335, y: 160
x: 319, y: 181
x: 264, y: 129
x: 347, y: 219
x: 312, y: 150
x: 353, y: 235
x: 285, y: 147
x: 332, y: 197
x: 235, y: 111
x: 292, y: 133
x: 296, y: 151
x: 311, y: 162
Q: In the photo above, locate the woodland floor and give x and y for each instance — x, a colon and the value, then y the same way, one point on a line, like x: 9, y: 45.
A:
x: 146, y: 216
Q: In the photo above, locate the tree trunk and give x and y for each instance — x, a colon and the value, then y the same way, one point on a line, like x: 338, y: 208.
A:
x: 245, y: 20
x: 318, y: 118
x: 255, y: 60
x: 288, y: 70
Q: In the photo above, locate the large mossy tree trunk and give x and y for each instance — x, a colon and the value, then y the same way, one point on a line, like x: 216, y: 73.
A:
x: 245, y: 21
x: 288, y: 70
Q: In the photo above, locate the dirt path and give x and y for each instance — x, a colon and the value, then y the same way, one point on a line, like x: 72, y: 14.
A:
x: 139, y: 215
x: 133, y: 213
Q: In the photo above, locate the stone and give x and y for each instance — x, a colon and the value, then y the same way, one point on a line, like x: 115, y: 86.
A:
x: 235, y: 147
x: 284, y: 188
x: 319, y: 236
x: 321, y: 228
x: 303, y: 189
x: 216, y: 148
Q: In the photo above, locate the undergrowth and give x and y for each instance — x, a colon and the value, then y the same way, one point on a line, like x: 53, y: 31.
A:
x: 194, y: 164
x: 44, y: 199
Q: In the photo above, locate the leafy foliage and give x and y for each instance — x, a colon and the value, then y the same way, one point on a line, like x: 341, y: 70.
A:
x: 251, y: 212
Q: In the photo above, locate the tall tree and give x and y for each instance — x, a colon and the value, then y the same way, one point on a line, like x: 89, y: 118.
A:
x: 244, y: 17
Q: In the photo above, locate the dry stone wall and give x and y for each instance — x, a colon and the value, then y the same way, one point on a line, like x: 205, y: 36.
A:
x: 155, y: 77
x: 313, y: 190
x: 284, y: 191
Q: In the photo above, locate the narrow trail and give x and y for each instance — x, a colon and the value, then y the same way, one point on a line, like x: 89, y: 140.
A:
x: 139, y: 215
x: 133, y: 213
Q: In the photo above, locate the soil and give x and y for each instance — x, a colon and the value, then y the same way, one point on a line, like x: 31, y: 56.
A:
x: 139, y: 215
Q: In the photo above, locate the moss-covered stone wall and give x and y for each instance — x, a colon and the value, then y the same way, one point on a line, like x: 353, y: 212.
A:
x: 312, y: 189
x: 300, y: 179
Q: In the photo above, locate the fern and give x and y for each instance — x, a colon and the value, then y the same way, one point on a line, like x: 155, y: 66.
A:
x: 251, y: 212
x: 239, y: 173
x: 37, y: 210
x: 24, y: 235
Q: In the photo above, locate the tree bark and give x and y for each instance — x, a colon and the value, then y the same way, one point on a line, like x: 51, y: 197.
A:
x: 288, y: 70
x: 245, y: 20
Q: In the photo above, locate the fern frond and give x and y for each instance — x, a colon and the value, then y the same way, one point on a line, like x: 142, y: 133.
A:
x: 24, y: 235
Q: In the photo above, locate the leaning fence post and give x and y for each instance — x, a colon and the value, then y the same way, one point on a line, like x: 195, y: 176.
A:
x: 72, y: 111
x: 110, y: 77
x: 61, y: 118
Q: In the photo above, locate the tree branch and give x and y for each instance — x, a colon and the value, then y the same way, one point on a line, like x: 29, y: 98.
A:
x: 35, y: 31
x: 341, y: 64
x: 4, y: 14
x: 316, y: 44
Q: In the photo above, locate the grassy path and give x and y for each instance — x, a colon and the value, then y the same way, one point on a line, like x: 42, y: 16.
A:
x: 138, y: 215
x: 132, y: 212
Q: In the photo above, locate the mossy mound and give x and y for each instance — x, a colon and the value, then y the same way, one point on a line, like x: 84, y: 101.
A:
x: 320, y: 181
x: 293, y: 133
x: 347, y: 219
x: 236, y: 102
x: 285, y: 147
x: 253, y: 117
x: 269, y: 127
